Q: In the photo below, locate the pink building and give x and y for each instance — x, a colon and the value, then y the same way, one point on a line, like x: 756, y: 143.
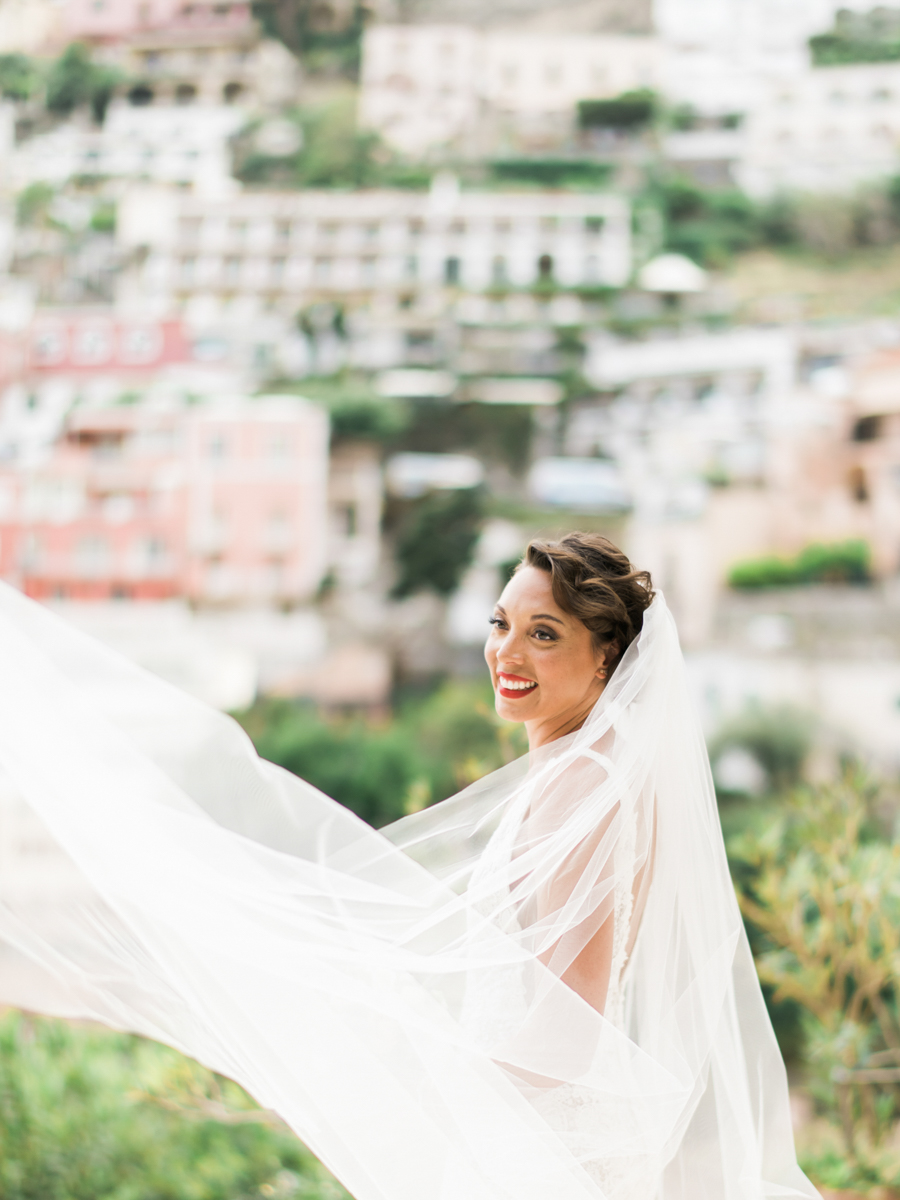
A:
x: 225, y: 504
x: 118, y: 20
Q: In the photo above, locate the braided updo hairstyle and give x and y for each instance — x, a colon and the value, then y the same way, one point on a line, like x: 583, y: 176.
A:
x: 594, y: 581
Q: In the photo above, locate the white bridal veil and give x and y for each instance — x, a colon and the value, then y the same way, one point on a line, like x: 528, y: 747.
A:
x: 396, y: 996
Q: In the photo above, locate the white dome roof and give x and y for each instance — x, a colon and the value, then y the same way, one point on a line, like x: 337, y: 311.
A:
x: 672, y: 273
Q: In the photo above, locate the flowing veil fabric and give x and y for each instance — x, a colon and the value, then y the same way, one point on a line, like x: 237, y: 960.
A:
x: 398, y: 996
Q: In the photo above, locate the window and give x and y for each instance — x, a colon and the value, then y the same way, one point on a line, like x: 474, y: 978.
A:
x: 858, y: 485
x: 594, y: 225
x: 238, y: 229
x: 188, y: 270
x: 868, y: 429
x: 416, y: 227
x: 411, y: 267
x: 545, y: 266
x: 322, y: 270
x: 549, y: 224
x: 498, y: 270
x: 452, y: 271
x: 282, y: 231
x: 278, y: 265
x: 369, y: 270
x: 92, y: 557
x: 232, y: 269
x: 140, y: 95
x: 370, y: 232
x: 346, y: 514
x: 217, y: 446
x: 189, y: 228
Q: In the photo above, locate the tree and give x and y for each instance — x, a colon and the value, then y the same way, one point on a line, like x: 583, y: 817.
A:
x: 436, y: 542
x: 75, y: 81
x: 818, y: 887
x: 630, y: 111
x: 19, y: 77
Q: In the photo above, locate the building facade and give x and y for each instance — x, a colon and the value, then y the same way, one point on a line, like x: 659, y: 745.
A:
x: 286, y: 250
x: 223, y: 505
x: 427, y: 87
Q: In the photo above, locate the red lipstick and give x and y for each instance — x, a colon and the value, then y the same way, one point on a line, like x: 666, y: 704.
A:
x: 515, y: 693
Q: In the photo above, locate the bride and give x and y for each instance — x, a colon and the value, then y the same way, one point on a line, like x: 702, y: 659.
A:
x: 540, y: 988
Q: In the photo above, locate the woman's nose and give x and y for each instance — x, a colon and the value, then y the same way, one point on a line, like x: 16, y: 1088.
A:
x: 509, y: 650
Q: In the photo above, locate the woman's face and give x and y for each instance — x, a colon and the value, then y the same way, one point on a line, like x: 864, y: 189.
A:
x: 545, y: 668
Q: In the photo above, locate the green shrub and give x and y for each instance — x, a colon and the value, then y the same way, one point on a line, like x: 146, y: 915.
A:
x: 19, y: 77
x: 837, y: 562
x: 436, y: 540
x: 630, y: 111
x: 86, y: 1113
x: 818, y: 887
x: 433, y: 747
x: 552, y: 172
x: 75, y: 81
x: 33, y: 203
x: 777, y: 738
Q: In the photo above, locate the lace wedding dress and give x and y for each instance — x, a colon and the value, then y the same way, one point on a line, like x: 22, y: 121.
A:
x: 400, y: 996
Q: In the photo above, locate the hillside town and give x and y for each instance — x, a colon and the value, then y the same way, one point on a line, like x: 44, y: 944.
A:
x: 282, y: 283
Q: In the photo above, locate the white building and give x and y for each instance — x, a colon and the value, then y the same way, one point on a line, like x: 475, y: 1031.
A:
x: 168, y: 144
x: 433, y: 86
x: 825, y: 129
x: 278, y: 251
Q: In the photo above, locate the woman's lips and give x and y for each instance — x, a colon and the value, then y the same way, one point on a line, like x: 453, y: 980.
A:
x: 518, y: 686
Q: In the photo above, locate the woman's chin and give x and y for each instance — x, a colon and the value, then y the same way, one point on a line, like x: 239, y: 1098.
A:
x: 513, y: 710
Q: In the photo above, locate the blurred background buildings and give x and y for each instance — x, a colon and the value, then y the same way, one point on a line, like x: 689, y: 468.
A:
x: 314, y: 312
x: 311, y: 314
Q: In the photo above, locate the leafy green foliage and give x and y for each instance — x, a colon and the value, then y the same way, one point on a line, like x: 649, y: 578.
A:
x: 573, y: 173
x: 498, y: 433
x: 75, y: 81
x: 357, y: 413
x: 630, y: 111
x: 436, y: 540
x: 33, y: 203
x: 327, y: 51
x: 87, y: 1114
x: 434, y: 747
x: 707, y: 225
x: 20, y: 77
x: 838, y: 562
x: 103, y: 218
x: 335, y: 154
x: 859, y: 37
x: 819, y: 889
x: 778, y: 738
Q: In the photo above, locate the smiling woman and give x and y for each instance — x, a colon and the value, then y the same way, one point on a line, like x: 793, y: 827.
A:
x: 560, y: 627
x: 540, y: 987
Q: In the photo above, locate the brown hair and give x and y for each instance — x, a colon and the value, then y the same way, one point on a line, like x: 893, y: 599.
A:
x: 594, y: 581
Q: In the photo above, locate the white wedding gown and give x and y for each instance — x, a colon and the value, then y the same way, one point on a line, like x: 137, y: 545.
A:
x: 396, y: 995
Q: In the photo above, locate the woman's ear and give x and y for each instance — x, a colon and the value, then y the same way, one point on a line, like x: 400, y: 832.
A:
x: 604, y: 658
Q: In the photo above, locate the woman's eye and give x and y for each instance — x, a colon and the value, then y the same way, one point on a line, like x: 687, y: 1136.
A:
x: 545, y: 635
x: 496, y: 622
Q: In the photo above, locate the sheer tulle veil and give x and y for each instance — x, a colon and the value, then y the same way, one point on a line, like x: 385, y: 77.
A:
x: 395, y: 995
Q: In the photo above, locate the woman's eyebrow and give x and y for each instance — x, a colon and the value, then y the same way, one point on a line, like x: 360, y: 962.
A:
x: 545, y: 617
